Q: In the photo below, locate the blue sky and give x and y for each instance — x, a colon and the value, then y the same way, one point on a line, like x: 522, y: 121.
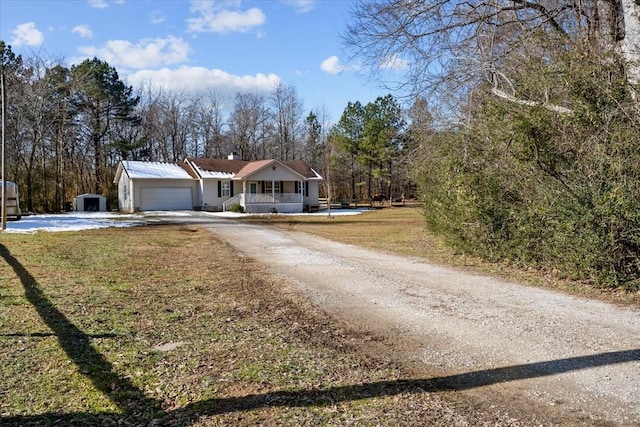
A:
x: 227, y: 46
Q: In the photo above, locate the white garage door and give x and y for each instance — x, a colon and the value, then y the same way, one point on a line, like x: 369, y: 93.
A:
x: 165, y: 199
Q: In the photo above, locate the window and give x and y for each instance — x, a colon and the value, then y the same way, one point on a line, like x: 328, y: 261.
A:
x: 302, y: 187
x: 272, y: 187
x: 226, y: 189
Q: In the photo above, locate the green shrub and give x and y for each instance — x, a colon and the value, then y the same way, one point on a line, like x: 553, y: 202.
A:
x: 236, y: 207
x: 534, y: 187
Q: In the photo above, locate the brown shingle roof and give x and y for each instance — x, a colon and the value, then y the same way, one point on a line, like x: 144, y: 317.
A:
x: 243, y: 168
x: 219, y: 165
x: 302, y: 168
x: 189, y: 170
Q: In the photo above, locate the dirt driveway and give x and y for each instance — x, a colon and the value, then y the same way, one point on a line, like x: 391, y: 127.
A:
x: 530, y: 353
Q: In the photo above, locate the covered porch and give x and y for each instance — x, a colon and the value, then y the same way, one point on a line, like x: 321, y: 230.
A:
x: 270, y: 197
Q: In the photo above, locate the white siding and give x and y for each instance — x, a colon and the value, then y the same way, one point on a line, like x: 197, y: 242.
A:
x: 280, y: 174
x: 125, y: 200
x: 210, y: 199
x: 314, y: 193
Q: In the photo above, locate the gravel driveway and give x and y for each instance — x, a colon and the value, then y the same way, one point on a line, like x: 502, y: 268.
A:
x: 532, y: 353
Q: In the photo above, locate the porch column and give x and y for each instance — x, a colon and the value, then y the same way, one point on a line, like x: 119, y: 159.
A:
x: 273, y: 191
x: 244, y: 192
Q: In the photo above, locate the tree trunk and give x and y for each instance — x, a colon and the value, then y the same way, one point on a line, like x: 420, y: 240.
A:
x: 630, y: 43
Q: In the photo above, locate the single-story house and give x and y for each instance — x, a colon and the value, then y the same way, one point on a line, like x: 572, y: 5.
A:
x: 261, y: 186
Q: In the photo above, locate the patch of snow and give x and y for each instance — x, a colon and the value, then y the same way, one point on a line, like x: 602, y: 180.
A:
x: 321, y: 212
x: 76, y: 221
x: 213, y: 174
x: 338, y: 212
x: 73, y: 221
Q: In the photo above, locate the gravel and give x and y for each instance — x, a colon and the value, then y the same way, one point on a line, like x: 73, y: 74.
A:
x: 523, y: 350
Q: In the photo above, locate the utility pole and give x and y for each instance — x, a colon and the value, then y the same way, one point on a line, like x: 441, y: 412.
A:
x: 4, y: 181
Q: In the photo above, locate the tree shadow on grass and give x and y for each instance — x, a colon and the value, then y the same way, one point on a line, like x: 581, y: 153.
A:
x: 51, y: 334
x: 135, y: 407
x: 77, y: 346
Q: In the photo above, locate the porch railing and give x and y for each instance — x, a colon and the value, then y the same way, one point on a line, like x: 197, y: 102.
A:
x: 262, y: 198
x: 254, y: 198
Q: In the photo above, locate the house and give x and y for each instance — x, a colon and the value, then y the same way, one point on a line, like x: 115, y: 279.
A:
x: 261, y: 186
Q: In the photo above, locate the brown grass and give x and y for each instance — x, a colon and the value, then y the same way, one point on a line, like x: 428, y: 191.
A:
x: 169, y: 326
x: 166, y: 325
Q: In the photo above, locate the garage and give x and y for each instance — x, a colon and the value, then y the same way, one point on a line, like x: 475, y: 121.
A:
x: 165, y: 199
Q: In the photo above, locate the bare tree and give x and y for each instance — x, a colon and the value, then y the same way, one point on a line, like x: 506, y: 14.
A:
x: 174, y: 125
x: 449, y: 49
x: 210, y: 122
x: 248, y: 126
x: 34, y: 120
x: 287, y: 119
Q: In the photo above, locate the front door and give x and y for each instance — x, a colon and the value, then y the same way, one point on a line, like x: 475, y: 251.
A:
x: 253, y: 187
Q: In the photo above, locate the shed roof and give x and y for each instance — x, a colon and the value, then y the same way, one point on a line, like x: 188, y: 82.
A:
x: 89, y: 195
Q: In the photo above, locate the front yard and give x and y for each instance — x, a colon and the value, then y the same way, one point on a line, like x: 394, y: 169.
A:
x: 163, y: 325
x: 167, y: 325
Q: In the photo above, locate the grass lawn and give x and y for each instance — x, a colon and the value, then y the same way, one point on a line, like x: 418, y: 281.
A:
x: 165, y: 325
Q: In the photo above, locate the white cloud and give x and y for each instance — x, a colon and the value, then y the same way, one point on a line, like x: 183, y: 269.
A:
x: 201, y: 78
x: 332, y: 65
x: 394, y: 63
x: 27, y: 34
x: 223, y: 17
x: 83, y: 31
x: 103, y: 4
x: 98, y: 4
x: 144, y: 54
x: 157, y: 17
x: 302, y: 6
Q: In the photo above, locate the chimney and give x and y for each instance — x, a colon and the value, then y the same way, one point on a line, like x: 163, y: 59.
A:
x: 234, y: 156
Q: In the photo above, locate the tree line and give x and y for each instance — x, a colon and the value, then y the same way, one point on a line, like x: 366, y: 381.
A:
x: 530, y: 153
x: 521, y: 140
x: 67, y: 128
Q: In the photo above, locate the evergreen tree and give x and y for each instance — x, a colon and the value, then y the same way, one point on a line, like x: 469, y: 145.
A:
x: 102, y: 102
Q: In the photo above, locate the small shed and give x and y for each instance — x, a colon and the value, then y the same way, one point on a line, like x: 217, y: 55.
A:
x: 91, y: 203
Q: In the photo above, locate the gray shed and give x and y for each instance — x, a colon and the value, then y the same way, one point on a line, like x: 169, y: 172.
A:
x: 91, y: 203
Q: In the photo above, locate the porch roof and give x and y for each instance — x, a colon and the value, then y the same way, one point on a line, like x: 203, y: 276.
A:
x: 254, y: 167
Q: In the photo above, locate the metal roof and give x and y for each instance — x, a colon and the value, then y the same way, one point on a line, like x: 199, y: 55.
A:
x: 156, y: 170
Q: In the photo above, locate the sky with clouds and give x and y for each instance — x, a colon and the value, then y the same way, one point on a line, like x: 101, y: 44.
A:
x: 226, y: 46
